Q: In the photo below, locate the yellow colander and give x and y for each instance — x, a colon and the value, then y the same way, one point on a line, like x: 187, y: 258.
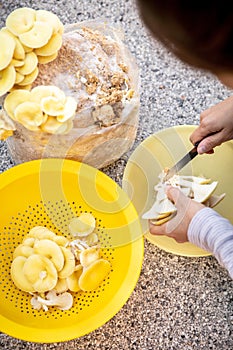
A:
x: 50, y: 192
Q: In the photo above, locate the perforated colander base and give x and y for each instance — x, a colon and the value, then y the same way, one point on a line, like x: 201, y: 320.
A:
x: 49, y: 193
x: 13, y: 235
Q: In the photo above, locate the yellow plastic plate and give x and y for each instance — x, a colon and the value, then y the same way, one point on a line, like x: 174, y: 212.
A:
x: 164, y: 149
x: 50, y: 192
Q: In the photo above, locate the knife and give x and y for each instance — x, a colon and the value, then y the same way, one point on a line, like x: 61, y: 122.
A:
x: 182, y: 162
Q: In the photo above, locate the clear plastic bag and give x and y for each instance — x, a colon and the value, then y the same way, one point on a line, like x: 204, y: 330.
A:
x: 95, y: 67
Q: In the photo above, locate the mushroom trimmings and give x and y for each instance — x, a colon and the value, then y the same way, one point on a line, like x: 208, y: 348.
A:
x: 195, y: 187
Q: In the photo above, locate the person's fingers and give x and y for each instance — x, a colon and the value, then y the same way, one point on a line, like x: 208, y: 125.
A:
x: 200, y: 133
x: 174, y: 194
x: 157, y: 230
x: 208, y: 143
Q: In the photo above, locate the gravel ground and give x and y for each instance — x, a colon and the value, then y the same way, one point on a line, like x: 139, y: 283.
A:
x: 179, y: 303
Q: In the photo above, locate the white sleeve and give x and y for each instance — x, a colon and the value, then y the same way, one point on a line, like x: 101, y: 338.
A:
x: 210, y: 231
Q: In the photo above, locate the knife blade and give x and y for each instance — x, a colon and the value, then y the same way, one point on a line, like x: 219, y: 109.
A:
x: 185, y: 160
x: 182, y: 162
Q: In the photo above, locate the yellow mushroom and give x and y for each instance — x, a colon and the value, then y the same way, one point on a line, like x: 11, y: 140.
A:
x: 18, y: 276
x: 7, y: 79
x: 51, y: 106
x: 19, y: 52
x: 29, y: 114
x: 37, y: 36
x: 88, y: 256
x: 94, y: 274
x: 83, y: 225
x: 51, y: 19
x: 29, y: 78
x: 73, y: 280
x: 7, y: 45
x: 30, y: 64
x: 14, y: 99
x: 23, y: 250
x: 52, y: 126
x: 52, y: 251
x: 40, y: 272
x: 51, y: 48
x: 21, y: 20
x: 69, y: 263
x: 47, y: 59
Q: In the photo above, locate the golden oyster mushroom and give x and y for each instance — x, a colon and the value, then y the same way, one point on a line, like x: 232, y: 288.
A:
x: 94, y: 275
x: 27, y: 49
x: 52, y: 126
x: 69, y: 110
x: 40, y: 272
x: 18, y: 276
x: 29, y: 114
x: 83, y: 225
x: 47, y: 59
x: 52, y: 251
x: 23, y: 250
x: 21, y: 20
x: 14, y: 99
x: 7, y: 45
x: 73, y: 280
x: 19, y: 52
x: 30, y: 64
x: 17, y: 63
x: 42, y: 91
x: 69, y: 263
x: 61, y: 240
x: 88, y: 256
x: 7, y: 79
x: 29, y: 78
x: 37, y: 36
x: 61, y: 285
x: 53, y: 45
x: 29, y: 241
x: 52, y: 19
x: 52, y: 106
x: 19, y: 78
x: 41, y: 232
x: 21, y: 87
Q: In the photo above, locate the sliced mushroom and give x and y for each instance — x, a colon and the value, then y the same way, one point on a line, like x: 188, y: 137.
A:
x: 198, y: 188
x: 214, y: 200
x: 165, y: 206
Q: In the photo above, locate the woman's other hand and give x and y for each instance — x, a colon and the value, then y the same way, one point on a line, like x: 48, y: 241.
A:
x: 218, y: 120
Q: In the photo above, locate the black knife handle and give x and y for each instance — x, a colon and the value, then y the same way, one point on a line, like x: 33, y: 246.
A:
x: 197, y: 143
x: 193, y: 153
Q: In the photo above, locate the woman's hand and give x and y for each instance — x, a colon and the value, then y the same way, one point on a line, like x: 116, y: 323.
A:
x: 177, y: 227
x: 218, y: 120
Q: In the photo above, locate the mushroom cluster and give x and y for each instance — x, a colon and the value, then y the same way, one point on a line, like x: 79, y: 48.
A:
x: 44, y: 108
x: 30, y: 37
x: 49, y: 266
x: 195, y: 187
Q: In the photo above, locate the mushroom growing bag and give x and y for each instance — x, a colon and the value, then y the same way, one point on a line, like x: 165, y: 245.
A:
x: 95, y: 68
